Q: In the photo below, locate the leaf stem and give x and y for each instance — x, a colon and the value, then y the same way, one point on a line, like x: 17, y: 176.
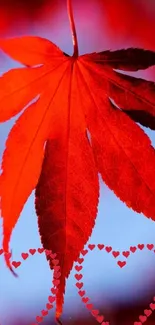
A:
x: 73, y: 29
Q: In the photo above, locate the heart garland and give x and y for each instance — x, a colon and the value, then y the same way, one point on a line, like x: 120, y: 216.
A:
x: 55, y: 281
x: 80, y: 285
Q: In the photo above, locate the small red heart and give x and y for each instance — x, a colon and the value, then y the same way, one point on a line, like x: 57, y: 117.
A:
x: 78, y: 276
x: 115, y: 253
x: 89, y: 306
x: 1, y: 251
x: 108, y: 249
x: 55, y: 262
x: 84, y: 252
x: 147, y: 312
x: 7, y: 255
x: 150, y: 246
x: 56, y: 268
x: 137, y: 323
x: 79, y: 285
x: 121, y: 263
x: 54, y: 291
x: 49, y: 306
x: 51, y: 299
x: 39, y: 319
x: 32, y: 252
x: 152, y: 306
x: 53, y: 255
x: 80, y: 260
x: 142, y: 318
x: 47, y: 252
x: 81, y: 293
x: 85, y: 299
x: 91, y: 246
x: 78, y: 268
x: 140, y: 246
x: 57, y: 275
x: 16, y: 264
x: 56, y: 282
x: 100, y: 318
x: 133, y: 249
x: 95, y: 312
x: 24, y: 256
x: 126, y: 253
x: 44, y: 312
x: 40, y: 250
x: 100, y: 246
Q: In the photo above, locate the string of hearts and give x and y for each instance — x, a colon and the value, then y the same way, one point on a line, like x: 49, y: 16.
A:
x: 79, y: 276
x: 80, y: 285
x: 55, y: 281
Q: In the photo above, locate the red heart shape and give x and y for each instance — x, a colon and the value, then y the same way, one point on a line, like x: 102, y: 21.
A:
x: 54, y: 291
x: 81, y: 293
x: 16, y: 264
x: 53, y: 255
x: 7, y: 255
x: 32, y: 251
x: 84, y: 252
x: 78, y: 276
x: 115, y: 253
x: 121, y: 263
x: 40, y: 250
x: 89, y: 306
x: 39, y: 319
x: 140, y: 246
x: 44, y: 312
x: 85, y: 299
x: 79, y: 285
x: 133, y: 249
x: 56, y: 268
x: 57, y: 275
x: 78, y: 268
x: 100, y: 318
x: 147, y: 312
x: 142, y: 318
x: 95, y: 312
x: 100, y: 246
x: 48, y: 252
x: 24, y: 255
x: 108, y: 249
x: 152, y: 306
x: 51, y: 299
x: 49, y: 306
x: 55, y: 262
x: 150, y: 246
x: 56, y: 282
x: 126, y: 253
x: 80, y: 260
x: 91, y: 246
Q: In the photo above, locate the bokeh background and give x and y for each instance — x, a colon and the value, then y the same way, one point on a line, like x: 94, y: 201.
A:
x: 120, y: 294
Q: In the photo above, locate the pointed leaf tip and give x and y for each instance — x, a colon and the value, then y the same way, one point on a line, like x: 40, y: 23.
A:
x: 58, y: 321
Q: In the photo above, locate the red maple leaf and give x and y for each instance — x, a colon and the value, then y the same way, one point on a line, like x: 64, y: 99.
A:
x: 81, y: 122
